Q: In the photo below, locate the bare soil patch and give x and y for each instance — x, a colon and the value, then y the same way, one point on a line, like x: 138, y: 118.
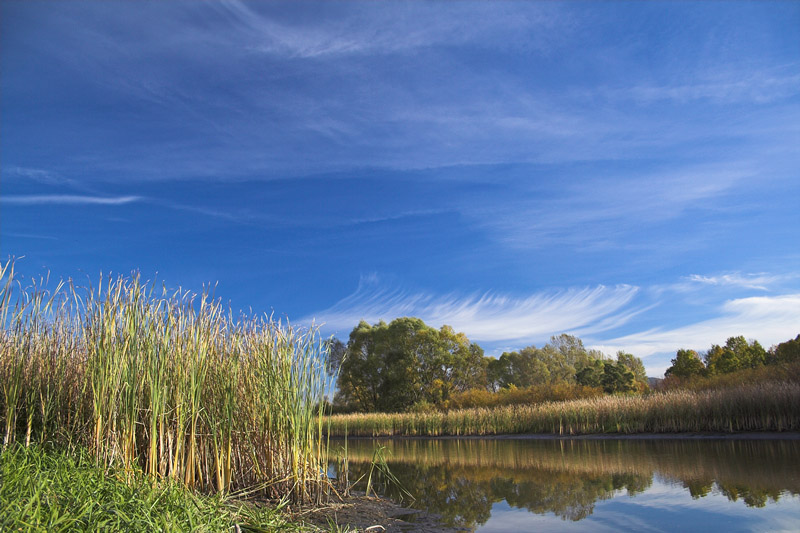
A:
x: 374, y: 515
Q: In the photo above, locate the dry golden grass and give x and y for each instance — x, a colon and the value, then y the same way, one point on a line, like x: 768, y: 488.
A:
x: 759, y: 407
x: 164, y: 382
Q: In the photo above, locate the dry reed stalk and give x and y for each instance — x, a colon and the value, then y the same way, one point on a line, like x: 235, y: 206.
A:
x: 166, y: 383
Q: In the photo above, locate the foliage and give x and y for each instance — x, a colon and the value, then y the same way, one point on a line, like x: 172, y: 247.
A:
x: 634, y: 365
x: 165, y: 383
x: 736, y: 355
x: 776, y: 373
x: 686, y: 364
x: 785, y: 352
x: 64, y: 490
x: 565, y: 360
x: 619, y: 377
x: 396, y: 366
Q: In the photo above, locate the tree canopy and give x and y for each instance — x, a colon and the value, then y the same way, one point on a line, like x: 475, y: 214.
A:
x: 396, y: 366
x: 565, y: 360
x: 737, y: 354
x: 687, y: 363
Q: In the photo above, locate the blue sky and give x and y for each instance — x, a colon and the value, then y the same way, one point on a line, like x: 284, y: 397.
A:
x: 626, y: 172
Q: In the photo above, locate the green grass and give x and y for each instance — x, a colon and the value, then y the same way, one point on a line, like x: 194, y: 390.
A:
x: 66, y: 491
x: 165, y: 383
x: 760, y: 407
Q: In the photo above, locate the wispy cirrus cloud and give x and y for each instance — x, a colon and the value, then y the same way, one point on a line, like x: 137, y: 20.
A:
x: 68, y: 199
x: 734, y: 85
x: 768, y: 319
x: 39, y: 175
x: 761, y: 281
x: 391, y: 28
x: 487, y: 317
x: 612, y: 206
x: 502, y: 322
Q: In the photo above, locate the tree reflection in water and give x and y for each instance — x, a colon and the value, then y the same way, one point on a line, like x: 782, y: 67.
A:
x: 461, y: 479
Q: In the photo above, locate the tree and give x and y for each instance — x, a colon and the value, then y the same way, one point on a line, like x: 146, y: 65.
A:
x: 392, y: 367
x: 572, y: 349
x: 529, y: 367
x: 617, y: 378
x: 336, y: 353
x: 785, y: 352
x: 735, y: 355
x: 360, y: 381
x: 591, y: 374
x: 634, y: 365
x: 495, y: 371
x: 686, y: 364
x: 749, y: 355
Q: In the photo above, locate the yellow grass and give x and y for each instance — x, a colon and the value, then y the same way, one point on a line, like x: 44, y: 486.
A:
x: 168, y: 383
x: 760, y: 407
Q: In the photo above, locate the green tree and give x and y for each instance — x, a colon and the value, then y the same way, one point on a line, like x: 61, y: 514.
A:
x: 735, y: 355
x: 749, y: 355
x: 495, y: 372
x: 573, y: 350
x: 336, y: 353
x: 392, y: 367
x: 617, y: 378
x: 634, y: 364
x: 686, y: 364
x: 591, y: 375
x: 529, y: 367
x: 785, y: 352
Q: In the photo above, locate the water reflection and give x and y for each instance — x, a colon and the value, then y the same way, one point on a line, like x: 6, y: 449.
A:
x: 462, y: 480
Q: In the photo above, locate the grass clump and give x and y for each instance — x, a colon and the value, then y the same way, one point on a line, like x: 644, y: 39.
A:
x: 521, y: 396
x: 65, y: 490
x: 164, y: 383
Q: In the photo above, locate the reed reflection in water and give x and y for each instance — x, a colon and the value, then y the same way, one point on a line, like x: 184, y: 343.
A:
x: 466, y: 481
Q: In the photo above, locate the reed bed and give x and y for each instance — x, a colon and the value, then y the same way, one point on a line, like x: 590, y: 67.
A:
x: 760, y: 407
x: 166, y: 383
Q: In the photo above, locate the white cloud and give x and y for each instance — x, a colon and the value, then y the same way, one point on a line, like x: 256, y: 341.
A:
x: 68, y: 199
x: 730, y: 87
x: 768, y: 319
x: 611, y: 205
x: 760, y: 281
x: 35, y: 174
x: 488, y: 317
x: 363, y: 29
x: 504, y: 323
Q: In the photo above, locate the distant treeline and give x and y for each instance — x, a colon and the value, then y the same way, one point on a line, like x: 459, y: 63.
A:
x: 406, y: 365
x: 737, y: 354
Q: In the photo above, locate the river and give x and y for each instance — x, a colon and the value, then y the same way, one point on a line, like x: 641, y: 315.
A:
x: 647, y: 484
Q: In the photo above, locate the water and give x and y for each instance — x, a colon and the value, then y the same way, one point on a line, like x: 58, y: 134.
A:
x: 595, y: 485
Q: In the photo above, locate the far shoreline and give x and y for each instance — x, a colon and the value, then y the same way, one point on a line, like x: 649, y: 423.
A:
x: 752, y: 435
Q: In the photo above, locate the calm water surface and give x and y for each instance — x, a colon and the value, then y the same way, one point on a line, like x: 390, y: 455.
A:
x: 596, y: 485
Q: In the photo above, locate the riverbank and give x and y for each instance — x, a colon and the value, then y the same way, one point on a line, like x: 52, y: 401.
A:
x: 764, y: 407
x: 756, y: 435
x: 373, y: 515
x: 65, y: 490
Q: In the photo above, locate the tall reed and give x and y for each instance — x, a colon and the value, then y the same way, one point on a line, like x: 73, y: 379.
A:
x: 164, y: 382
x: 761, y: 407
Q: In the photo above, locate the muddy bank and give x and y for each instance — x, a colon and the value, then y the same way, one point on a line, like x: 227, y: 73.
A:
x: 788, y: 435
x: 373, y: 515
